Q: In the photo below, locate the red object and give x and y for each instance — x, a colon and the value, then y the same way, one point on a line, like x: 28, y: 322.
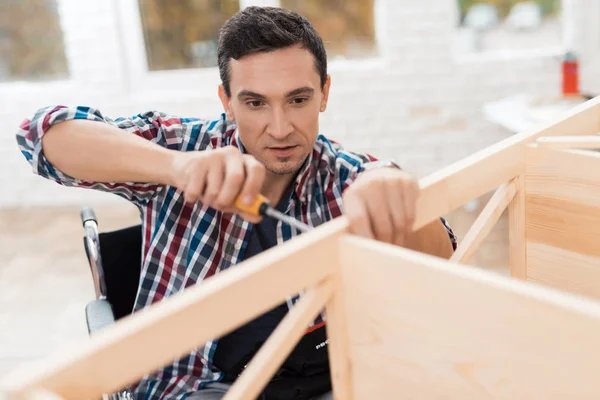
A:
x: 570, y: 75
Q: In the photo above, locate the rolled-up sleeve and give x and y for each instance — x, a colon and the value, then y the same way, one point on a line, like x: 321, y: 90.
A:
x: 164, y: 130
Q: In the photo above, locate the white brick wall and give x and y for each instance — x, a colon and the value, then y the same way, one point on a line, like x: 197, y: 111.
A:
x: 418, y: 103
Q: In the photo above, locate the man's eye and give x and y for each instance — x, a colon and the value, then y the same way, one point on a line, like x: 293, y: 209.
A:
x: 299, y: 100
x: 255, y: 103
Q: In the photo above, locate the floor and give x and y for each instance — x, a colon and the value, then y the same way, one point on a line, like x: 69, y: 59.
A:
x: 45, y: 281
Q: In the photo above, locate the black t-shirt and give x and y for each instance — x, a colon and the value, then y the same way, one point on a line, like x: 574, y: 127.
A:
x: 235, y: 349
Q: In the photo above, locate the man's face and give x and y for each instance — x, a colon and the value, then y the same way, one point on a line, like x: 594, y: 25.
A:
x: 275, y: 101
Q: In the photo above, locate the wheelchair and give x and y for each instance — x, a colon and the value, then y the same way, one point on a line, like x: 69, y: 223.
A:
x: 115, y: 260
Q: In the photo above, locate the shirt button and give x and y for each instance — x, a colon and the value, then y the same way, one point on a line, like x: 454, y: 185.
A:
x: 237, y: 246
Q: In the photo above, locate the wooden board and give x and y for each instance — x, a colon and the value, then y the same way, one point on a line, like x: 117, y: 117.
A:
x: 189, y: 319
x: 563, y: 269
x: 569, y: 142
x: 337, y: 328
x: 473, y: 176
x: 562, y: 202
x: 485, y: 222
x: 571, y: 175
x: 517, y: 245
x: 422, y: 328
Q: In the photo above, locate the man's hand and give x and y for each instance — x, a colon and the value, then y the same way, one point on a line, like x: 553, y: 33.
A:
x: 217, y: 177
x: 381, y: 205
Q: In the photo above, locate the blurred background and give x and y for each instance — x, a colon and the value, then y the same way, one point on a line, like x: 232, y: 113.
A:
x: 425, y: 82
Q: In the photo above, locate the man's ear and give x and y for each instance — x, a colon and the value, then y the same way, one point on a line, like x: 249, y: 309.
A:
x: 325, y: 97
x: 226, y: 101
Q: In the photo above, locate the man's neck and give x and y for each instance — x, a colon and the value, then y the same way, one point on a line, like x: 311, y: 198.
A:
x: 275, y: 186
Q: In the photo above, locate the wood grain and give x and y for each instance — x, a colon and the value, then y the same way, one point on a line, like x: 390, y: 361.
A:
x: 564, y: 224
x: 485, y: 222
x: 427, y: 329
x: 569, y: 142
x: 563, y: 269
x: 564, y: 174
x: 227, y: 300
x: 340, y: 357
x: 517, y: 244
x: 473, y: 176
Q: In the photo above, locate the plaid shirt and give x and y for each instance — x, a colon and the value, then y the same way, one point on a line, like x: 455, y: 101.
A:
x: 183, y: 243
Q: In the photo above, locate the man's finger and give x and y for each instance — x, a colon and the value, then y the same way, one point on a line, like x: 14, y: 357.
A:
x: 396, y: 199
x: 214, y: 182
x: 232, y: 183
x: 195, y: 186
x: 255, y: 176
x: 380, y: 215
x: 411, y: 194
x: 358, y: 216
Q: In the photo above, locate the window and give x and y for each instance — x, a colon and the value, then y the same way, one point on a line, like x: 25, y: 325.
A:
x: 347, y: 26
x: 183, y: 34
x: 508, y: 25
x: 31, y: 41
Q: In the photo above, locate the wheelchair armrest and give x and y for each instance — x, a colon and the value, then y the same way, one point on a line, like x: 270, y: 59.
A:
x: 91, y: 243
x: 98, y: 314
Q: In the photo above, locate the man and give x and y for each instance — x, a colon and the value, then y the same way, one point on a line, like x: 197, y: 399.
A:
x: 185, y: 173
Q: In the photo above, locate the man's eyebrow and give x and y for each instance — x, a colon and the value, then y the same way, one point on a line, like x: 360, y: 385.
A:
x: 248, y: 93
x: 303, y: 90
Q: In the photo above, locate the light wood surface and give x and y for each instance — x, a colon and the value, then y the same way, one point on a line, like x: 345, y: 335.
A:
x: 83, y: 373
x: 485, y: 222
x: 563, y: 219
x: 428, y: 329
x: 563, y: 269
x: 473, y: 176
x: 337, y: 327
x: 517, y: 244
x: 569, y: 142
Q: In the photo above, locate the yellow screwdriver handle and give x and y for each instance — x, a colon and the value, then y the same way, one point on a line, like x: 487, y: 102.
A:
x: 254, y: 208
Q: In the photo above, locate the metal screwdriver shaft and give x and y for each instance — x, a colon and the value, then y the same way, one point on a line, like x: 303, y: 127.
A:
x: 262, y: 207
x: 273, y: 213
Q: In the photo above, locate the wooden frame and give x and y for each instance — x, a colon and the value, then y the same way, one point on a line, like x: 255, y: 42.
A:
x: 403, y: 324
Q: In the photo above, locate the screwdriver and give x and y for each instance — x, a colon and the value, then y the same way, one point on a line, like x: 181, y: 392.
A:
x: 262, y: 207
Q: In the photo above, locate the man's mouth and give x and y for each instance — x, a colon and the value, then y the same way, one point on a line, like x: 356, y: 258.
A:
x: 282, y: 151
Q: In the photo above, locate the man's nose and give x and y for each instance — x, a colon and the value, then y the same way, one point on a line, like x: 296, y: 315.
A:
x: 280, y: 125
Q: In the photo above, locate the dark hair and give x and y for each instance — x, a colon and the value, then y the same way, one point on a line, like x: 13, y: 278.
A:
x: 258, y: 29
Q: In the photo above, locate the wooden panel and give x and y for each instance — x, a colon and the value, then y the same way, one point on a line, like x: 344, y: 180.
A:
x: 485, y: 222
x: 564, y: 269
x: 563, y: 218
x: 564, y: 174
x: 563, y: 224
x: 227, y: 300
x: 569, y: 142
x: 339, y: 349
x: 424, y: 328
x: 473, y: 176
x: 517, y: 246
